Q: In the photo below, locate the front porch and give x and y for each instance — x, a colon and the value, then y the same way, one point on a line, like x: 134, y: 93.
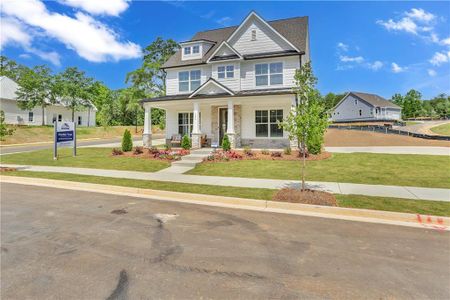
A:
x: 254, y: 121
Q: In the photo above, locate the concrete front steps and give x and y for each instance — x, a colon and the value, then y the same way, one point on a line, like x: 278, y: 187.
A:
x: 187, y: 162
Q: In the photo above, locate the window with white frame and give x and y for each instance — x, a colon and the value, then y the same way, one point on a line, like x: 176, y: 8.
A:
x: 186, y: 122
x: 187, y: 50
x: 225, y: 72
x: 79, y: 120
x: 188, y: 80
x: 195, y: 49
x: 266, y: 123
x: 269, y: 74
x: 30, y: 116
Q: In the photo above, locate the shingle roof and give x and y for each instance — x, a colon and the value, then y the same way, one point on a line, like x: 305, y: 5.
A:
x: 295, y: 30
x: 375, y: 100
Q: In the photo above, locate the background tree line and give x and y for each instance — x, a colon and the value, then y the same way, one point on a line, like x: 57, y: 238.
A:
x: 40, y: 87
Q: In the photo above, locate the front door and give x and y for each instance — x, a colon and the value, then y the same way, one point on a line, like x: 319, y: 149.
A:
x: 223, y: 121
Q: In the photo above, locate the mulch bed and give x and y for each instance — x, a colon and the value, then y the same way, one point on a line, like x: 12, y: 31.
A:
x: 234, y: 155
x: 305, y: 197
x: 152, y: 153
x: 4, y: 169
x: 295, y: 155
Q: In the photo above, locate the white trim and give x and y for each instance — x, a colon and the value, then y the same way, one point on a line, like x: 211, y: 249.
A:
x: 264, y: 22
x: 211, y: 81
x: 218, y: 48
x: 268, y: 109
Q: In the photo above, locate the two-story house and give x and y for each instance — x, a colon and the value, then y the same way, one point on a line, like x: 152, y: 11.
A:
x: 234, y: 81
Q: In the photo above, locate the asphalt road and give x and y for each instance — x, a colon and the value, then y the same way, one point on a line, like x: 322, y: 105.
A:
x: 62, y: 244
x: 28, y: 148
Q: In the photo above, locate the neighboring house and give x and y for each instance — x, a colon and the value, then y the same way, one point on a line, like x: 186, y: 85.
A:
x: 236, y: 81
x: 365, y: 107
x: 15, y: 115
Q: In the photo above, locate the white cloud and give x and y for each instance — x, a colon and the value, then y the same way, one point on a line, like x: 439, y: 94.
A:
x: 420, y: 15
x: 225, y: 21
x: 25, y: 56
x: 445, y: 42
x: 396, y: 68
x: 376, y: 65
x: 91, y: 39
x: 342, y: 46
x: 99, y: 7
x: 431, y: 72
x: 355, y: 59
x: 13, y: 33
x: 439, y: 58
x: 51, y: 56
x: 404, y: 24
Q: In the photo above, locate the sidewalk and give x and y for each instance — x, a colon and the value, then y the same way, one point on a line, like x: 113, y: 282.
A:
x: 422, y: 150
x: 415, y: 193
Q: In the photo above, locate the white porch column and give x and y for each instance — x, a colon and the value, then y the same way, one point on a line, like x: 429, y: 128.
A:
x: 294, y: 142
x: 196, y: 133
x: 230, y: 124
x: 147, y: 135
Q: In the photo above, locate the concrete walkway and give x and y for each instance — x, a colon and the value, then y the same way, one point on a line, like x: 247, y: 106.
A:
x: 425, y: 150
x: 423, y: 127
x: 415, y: 193
x: 187, y: 162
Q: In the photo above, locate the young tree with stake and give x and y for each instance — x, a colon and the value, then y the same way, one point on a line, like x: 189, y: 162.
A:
x: 307, y: 121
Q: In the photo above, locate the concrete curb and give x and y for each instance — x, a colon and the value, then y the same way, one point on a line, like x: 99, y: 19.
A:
x: 349, y: 214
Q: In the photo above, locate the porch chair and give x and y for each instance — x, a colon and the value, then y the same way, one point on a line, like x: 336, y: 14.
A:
x: 175, y: 140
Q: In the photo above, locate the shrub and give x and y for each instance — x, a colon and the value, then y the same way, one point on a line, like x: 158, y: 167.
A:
x: 287, y: 151
x: 186, y: 142
x: 314, y: 144
x: 276, y: 154
x: 138, y: 150
x: 265, y: 152
x: 226, y: 145
x: 127, y: 142
x: 167, y: 147
x: 233, y: 155
x: 116, y: 151
x: 4, y: 130
x: 153, y: 150
x: 248, y: 151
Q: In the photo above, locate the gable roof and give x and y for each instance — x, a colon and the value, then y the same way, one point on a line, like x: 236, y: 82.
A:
x: 295, y: 30
x: 213, y: 56
x: 212, y: 81
x: 8, y: 88
x: 371, y: 99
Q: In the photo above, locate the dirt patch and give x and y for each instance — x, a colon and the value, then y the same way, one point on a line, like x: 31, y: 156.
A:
x: 354, y: 138
x: 305, y: 197
x: 119, y: 211
x: 5, y: 169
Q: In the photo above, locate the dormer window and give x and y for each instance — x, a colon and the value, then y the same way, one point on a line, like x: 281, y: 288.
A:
x: 254, y: 35
x: 187, y: 50
x: 196, y: 49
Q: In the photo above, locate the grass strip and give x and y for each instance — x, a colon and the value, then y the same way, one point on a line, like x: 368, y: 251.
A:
x: 436, y: 208
x: 365, y: 168
x: 96, y: 158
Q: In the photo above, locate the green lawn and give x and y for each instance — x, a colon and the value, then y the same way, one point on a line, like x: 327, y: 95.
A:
x: 443, y: 129
x: 411, y: 123
x: 97, y: 158
x: 353, y: 201
x: 368, y: 168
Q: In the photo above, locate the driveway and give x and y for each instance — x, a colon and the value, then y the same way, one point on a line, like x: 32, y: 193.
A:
x: 424, y: 127
x: 62, y: 244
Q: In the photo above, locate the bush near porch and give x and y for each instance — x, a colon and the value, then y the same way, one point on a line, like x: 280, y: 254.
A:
x: 153, y: 153
x: 248, y: 154
x: 365, y: 168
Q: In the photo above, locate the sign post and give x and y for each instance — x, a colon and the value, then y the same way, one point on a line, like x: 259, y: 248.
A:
x: 65, y: 136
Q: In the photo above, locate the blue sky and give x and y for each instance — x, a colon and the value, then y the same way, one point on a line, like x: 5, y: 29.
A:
x: 379, y: 47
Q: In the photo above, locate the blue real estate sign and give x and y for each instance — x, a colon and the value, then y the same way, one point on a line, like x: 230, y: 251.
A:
x: 65, y: 136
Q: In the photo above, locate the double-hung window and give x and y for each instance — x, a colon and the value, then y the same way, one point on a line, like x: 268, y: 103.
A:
x: 269, y: 74
x: 266, y: 122
x: 186, y: 122
x: 195, y: 49
x: 188, y: 80
x: 225, y: 72
x: 30, y: 116
x: 187, y: 50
